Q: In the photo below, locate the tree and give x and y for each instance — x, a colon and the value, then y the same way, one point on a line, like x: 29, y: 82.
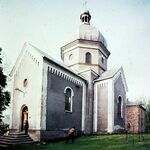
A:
x: 147, y: 117
x: 148, y: 112
x: 4, y: 95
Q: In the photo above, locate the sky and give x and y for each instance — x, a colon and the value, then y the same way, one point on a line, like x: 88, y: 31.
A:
x: 49, y: 24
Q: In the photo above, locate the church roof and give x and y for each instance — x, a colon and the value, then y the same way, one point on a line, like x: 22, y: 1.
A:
x: 28, y: 46
x: 88, y: 32
x: 130, y: 104
x: 59, y: 63
x: 110, y: 74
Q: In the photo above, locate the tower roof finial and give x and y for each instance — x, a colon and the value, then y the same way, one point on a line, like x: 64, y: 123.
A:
x: 85, y: 17
x: 85, y: 5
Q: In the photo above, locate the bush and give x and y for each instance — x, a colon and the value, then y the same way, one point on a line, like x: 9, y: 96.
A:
x: 147, y: 129
x: 3, y: 128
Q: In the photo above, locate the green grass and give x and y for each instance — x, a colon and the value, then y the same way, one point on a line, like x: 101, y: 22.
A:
x: 100, y: 142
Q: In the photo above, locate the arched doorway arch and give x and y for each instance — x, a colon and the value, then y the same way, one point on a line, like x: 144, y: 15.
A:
x: 24, y: 116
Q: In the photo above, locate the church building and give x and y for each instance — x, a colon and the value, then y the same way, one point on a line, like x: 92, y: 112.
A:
x: 79, y: 91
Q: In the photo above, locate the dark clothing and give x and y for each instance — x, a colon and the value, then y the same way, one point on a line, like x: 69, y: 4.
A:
x: 26, y: 126
x: 71, y: 135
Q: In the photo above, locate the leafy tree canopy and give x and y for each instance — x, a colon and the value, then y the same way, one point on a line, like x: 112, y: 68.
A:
x: 4, y: 95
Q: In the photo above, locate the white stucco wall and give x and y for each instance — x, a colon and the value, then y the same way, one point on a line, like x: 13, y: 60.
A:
x: 109, y: 96
x: 110, y: 106
x: 28, y: 67
x: 77, y: 60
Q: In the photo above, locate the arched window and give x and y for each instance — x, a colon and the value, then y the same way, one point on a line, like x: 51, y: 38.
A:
x: 102, y: 59
x: 86, y: 19
x: 68, y: 99
x: 120, y: 107
x: 88, y: 58
x: 25, y: 82
x: 70, y: 56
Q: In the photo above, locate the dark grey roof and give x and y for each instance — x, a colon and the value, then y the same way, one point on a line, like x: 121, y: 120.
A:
x: 111, y: 74
x: 108, y: 74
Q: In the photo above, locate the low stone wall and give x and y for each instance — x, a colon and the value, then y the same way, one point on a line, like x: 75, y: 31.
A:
x: 35, y: 135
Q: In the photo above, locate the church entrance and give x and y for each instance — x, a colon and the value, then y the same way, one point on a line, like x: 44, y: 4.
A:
x: 24, y: 116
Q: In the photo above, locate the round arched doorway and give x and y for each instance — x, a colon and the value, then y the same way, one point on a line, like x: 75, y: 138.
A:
x: 24, y: 116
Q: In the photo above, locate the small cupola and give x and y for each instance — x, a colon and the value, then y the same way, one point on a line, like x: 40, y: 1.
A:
x: 85, y: 17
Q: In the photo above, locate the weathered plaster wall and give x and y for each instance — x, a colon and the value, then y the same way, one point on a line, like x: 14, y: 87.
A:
x: 119, y: 90
x: 57, y: 118
x: 102, y: 107
x: 135, y: 116
x: 30, y: 68
x: 78, y: 49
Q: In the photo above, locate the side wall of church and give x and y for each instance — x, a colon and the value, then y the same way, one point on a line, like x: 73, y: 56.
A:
x: 57, y: 117
x: 58, y: 120
x: 119, y: 90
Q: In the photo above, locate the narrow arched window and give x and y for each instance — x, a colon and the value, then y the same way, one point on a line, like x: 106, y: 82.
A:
x: 68, y: 99
x: 102, y: 59
x: 88, y: 58
x: 85, y: 18
x: 120, y: 107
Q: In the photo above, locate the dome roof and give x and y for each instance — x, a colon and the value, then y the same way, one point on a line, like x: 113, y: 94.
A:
x: 86, y: 31
x: 89, y: 32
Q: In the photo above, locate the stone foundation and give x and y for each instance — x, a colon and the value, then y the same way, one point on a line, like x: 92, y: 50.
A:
x: 53, y: 135
x: 43, y: 135
x: 35, y: 135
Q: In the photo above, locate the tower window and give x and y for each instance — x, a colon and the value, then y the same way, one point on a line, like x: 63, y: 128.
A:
x: 102, y: 59
x: 68, y: 99
x: 85, y: 18
x: 70, y: 56
x: 25, y: 82
x: 88, y: 58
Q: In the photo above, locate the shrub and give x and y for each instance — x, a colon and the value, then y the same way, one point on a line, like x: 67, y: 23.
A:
x: 3, y: 128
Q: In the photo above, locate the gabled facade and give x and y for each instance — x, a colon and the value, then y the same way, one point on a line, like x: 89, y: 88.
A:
x: 109, y: 101
x: 39, y: 95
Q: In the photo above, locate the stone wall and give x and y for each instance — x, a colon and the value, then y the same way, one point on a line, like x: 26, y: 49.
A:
x: 135, y: 116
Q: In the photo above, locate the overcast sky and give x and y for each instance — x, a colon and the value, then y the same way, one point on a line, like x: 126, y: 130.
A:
x: 48, y: 24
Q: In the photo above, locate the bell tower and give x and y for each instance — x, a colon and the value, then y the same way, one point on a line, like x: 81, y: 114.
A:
x: 88, y: 51
x: 87, y: 55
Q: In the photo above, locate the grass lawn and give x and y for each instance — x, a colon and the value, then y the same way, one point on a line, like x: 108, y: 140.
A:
x: 100, y: 142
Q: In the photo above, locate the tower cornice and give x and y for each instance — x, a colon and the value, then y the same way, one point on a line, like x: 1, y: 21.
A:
x: 83, y: 41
